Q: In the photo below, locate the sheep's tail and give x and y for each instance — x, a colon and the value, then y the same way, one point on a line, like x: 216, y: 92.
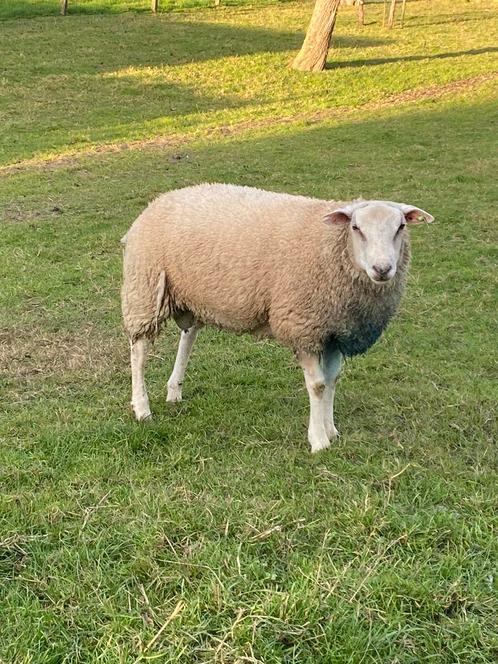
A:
x: 162, y: 302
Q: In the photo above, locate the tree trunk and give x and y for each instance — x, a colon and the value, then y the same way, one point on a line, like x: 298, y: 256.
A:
x: 313, y: 53
x: 63, y: 7
x: 154, y: 6
x: 392, y: 13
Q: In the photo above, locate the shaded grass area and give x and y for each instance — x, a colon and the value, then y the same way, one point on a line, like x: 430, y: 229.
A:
x: 383, y: 549
x: 133, y: 76
x: 35, y: 8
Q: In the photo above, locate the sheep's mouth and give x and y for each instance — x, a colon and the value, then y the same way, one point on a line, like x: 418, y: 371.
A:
x: 377, y: 279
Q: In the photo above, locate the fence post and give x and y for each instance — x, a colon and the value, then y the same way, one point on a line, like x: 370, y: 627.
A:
x: 403, y: 7
x: 361, y: 11
x: 392, y: 14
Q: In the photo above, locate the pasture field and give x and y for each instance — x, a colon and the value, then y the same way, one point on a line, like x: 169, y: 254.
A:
x: 211, y: 534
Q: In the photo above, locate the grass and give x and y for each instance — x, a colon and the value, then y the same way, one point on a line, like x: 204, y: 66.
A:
x: 211, y: 534
x: 36, y: 8
x: 199, y: 72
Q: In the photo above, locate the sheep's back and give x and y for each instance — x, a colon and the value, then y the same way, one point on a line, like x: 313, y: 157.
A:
x: 223, y: 248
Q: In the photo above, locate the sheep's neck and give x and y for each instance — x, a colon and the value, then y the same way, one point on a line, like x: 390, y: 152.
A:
x: 363, y: 309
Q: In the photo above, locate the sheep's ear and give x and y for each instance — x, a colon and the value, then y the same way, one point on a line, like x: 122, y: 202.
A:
x: 340, y: 216
x: 415, y: 215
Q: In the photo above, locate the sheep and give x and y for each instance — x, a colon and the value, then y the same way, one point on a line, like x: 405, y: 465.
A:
x: 323, y: 278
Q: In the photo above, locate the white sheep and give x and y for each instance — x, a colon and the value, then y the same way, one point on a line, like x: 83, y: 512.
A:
x: 321, y: 277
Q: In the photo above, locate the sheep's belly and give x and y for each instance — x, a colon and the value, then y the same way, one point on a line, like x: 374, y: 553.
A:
x: 237, y: 324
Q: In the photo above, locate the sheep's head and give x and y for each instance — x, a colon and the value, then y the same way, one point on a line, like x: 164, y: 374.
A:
x: 377, y: 232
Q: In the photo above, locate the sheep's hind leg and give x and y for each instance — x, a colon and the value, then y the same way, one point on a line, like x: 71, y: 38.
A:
x: 332, y: 363
x: 182, y: 357
x: 315, y: 384
x: 139, y: 398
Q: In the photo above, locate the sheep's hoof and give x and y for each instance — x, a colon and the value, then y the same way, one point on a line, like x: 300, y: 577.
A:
x: 318, y: 444
x: 174, y: 396
x: 331, y: 432
x: 142, y: 413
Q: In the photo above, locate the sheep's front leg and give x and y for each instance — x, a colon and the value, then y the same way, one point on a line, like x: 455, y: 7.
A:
x: 315, y: 384
x: 332, y: 363
x: 182, y: 357
x: 139, y: 398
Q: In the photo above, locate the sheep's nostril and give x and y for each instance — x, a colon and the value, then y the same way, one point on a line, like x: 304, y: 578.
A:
x: 382, y: 270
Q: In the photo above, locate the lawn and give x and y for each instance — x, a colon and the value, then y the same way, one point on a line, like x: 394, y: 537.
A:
x: 211, y: 534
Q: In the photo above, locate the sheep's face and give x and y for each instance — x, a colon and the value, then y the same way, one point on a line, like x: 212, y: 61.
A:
x: 377, y: 231
x: 377, y: 234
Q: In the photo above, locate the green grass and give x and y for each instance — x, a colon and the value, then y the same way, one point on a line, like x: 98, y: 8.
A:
x: 36, y: 8
x: 197, y: 72
x: 382, y: 549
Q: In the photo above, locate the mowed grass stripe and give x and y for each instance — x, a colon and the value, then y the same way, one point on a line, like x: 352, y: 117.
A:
x: 431, y: 93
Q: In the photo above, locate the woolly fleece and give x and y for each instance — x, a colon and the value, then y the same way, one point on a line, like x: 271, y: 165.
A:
x: 248, y: 260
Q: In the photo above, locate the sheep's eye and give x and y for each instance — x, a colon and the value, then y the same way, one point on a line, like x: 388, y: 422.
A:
x: 358, y: 231
x: 400, y: 228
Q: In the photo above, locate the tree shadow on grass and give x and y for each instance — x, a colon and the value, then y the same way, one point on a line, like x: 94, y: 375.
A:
x: 115, y: 42
x: 409, y: 58
x: 14, y: 9
x: 114, y: 80
x: 444, y: 19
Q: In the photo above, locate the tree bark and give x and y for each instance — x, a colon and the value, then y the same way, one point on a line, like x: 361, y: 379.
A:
x: 63, y: 7
x: 392, y: 13
x: 313, y: 53
x: 154, y: 6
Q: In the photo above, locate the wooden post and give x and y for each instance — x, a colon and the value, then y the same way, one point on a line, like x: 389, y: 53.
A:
x: 403, y: 7
x: 392, y: 13
x: 361, y: 11
x: 154, y: 6
x: 64, y: 7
